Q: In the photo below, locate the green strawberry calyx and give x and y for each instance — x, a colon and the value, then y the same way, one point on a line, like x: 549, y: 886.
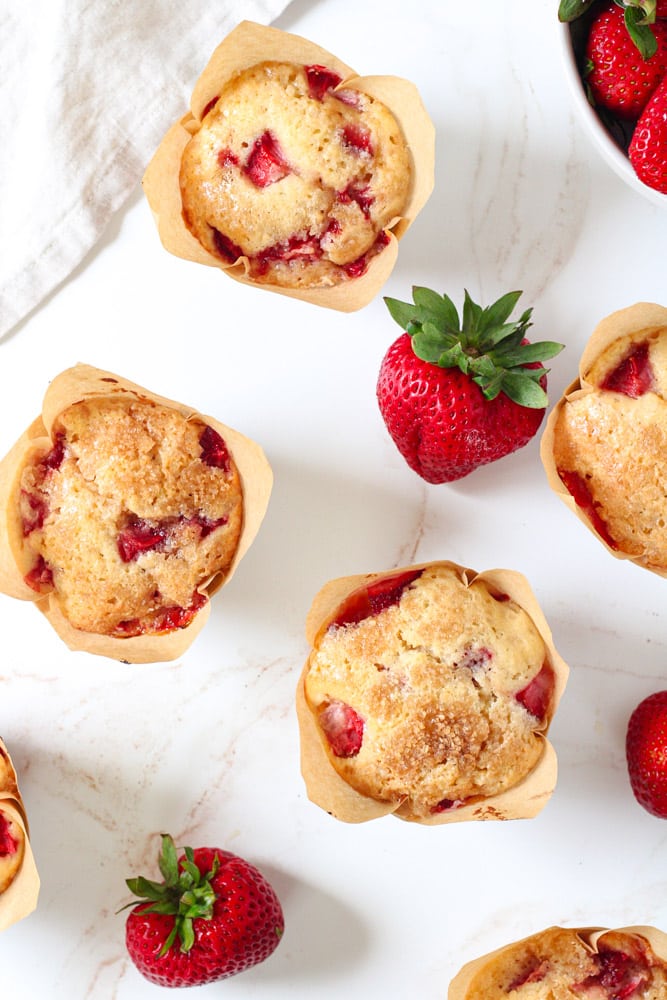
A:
x: 638, y: 15
x: 482, y: 344
x: 186, y: 893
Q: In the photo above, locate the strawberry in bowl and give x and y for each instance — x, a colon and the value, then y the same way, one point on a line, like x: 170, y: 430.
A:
x: 213, y: 915
x: 615, y: 58
x: 456, y: 394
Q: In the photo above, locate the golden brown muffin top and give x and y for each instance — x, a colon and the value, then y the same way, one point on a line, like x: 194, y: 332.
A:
x: 298, y: 176
x: 429, y: 692
x: 130, y: 514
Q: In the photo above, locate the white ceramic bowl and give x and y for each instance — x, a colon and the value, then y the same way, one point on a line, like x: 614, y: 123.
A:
x: 571, y: 37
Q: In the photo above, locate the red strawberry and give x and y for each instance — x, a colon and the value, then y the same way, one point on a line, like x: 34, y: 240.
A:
x: 646, y: 753
x: 619, y: 77
x: 648, y: 146
x: 456, y: 395
x: 635, y: 21
x: 213, y: 916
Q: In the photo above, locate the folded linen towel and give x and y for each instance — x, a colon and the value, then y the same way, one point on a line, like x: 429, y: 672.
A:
x: 88, y: 88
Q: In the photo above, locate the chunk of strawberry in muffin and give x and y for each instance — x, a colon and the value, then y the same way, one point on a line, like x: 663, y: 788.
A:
x: 343, y: 728
x: 536, y: 697
x: 12, y: 849
x: 633, y: 376
x: 266, y: 163
x: 371, y: 600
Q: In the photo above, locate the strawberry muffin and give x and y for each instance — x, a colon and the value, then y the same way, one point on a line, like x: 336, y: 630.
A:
x: 295, y: 174
x: 134, y: 504
x: 292, y: 173
x: 559, y: 964
x: 429, y: 692
x: 126, y: 511
x: 605, y: 444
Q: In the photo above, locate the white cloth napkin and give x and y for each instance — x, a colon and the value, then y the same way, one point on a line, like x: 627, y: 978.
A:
x: 87, y: 90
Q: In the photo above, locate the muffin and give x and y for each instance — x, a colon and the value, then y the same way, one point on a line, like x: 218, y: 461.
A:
x: 19, y: 881
x: 290, y: 172
x: 428, y: 693
x: 125, y: 512
x: 560, y: 963
x: 604, y: 447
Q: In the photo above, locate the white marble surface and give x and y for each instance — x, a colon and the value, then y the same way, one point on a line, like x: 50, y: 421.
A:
x: 207, y: 747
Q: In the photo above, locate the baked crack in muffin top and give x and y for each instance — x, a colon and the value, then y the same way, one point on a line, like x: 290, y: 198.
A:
x: 128, y: 517
x: 299, y: 177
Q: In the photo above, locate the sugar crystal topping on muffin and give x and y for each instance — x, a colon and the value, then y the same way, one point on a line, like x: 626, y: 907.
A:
x: 300, y: 176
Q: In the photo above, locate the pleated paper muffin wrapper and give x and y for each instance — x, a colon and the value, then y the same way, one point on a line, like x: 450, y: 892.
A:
x: 84, y: 382
x: 327, y: 789
x: 20, y: 897
x: 643, y: 316
x: 589, y: 937
x: 9, y: 786
x: 247, y: 45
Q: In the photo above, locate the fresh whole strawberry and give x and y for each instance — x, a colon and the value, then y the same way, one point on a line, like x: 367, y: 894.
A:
x: 214, y: 915
x: 646, y: 753
x: 637, y: 20
x: 459, y: 394
x: 648, y: 146
x: 619, y: 78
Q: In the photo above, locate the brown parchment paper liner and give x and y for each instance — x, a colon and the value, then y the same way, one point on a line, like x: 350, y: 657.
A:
x: 589, y: 937
x: 643, y: 316
x: 85, y: 382
x: 245, y: 46
x: 327, y: 789
x: 20, y: 898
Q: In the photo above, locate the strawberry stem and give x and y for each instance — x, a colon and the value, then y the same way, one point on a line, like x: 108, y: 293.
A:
x: 186, y: 893
x: 483, y: 343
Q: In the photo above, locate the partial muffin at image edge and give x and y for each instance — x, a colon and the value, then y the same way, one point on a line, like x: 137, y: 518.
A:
x: 19, y: 880
x: 123, y: 512
x: 604, y: 446
x: 292, y: 173
x: 428, y: 694
x: 587, y: 962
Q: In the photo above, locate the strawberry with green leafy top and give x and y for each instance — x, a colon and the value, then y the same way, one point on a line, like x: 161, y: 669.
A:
x: 456, y: 394
x: 640, y: 19
x: 214, y: 915
x: 619, y: 76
